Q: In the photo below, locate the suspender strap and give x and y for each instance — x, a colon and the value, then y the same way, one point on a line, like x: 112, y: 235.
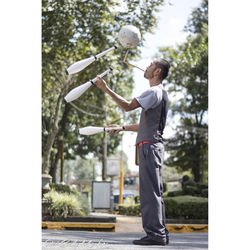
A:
x: 163, y: 115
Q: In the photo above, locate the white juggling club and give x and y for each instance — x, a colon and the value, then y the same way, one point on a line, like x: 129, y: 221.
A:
x: 80, y: 65
x: 95, y: 130
x: 78, y: 91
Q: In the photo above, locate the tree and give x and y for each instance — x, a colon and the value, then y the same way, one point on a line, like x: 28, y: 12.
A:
x: 73, y: 30
x: 188, y: 79
x: 80, y: 169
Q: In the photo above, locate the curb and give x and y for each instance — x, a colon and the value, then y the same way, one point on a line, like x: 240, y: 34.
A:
x: 50, y: 225
x: 188, y: 228
x: 111, y: 227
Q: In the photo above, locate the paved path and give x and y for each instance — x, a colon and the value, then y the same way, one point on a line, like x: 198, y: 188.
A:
x: 73, y: 240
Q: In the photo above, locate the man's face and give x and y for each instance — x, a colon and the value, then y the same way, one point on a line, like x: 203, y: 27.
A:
x: 148, y: 74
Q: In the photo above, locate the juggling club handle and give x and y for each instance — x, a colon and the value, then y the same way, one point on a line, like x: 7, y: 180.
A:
x: 101, y: 75
x: 113, y: 128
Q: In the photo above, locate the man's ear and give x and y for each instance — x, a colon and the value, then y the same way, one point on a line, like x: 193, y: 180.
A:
x: 157, y: 71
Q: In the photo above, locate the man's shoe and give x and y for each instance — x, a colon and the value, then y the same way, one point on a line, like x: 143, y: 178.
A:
x: 147, y: 241
x: 167, y: 240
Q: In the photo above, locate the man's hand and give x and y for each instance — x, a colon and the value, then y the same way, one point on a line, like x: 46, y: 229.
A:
x: 100, y: 83
x: 124, y: 104
x: 115, y: 131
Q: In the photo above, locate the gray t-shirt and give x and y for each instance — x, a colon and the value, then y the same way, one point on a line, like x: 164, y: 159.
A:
x: 154, y: 101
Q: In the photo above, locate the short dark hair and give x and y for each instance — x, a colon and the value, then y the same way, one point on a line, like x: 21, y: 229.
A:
x: 164, y: 65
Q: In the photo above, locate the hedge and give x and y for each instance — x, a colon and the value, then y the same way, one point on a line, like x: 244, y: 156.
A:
x: 175, y: 193
x: 186, y: 207
x: 179, y: 207
x: 133, y: 210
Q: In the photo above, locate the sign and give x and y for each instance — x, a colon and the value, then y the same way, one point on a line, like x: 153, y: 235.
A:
x: 113, y: 167
x: 101, y: 194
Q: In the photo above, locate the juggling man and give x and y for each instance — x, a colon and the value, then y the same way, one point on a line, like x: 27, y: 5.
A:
x: 149, y: 141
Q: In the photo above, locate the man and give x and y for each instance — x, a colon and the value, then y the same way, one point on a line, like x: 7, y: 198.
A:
x: 154, y: 104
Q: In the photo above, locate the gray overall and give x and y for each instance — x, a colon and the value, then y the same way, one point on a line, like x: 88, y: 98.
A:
x: 151, y: 156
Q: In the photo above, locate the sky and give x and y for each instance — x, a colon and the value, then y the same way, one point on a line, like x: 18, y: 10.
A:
x: 169, y: 32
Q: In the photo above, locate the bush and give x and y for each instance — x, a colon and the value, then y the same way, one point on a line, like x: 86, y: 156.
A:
x: 165, y: 187
x: 61, y: 188
x: 175, y: 193
x: 190, y: 187
x: 133, y: 210
x: 191, y: 190
x: 185, y: 178
x: 179, y: 207
x: 137, y: 199
x: 186, y: 207
x: 204, y: 192
x: 64, y: 205
x: 202, y: 185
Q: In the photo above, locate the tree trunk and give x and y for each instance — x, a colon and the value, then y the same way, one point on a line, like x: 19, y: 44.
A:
x: 53, y: 167
x: 197, y: 159
x: 196, y: 172
x: 51, y: 136
x: 53, y: 132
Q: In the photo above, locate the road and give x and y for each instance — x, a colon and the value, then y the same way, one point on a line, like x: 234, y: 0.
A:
x: 73, y: 240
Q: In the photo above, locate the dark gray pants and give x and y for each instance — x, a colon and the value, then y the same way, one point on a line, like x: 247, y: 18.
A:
x: 151, y: 157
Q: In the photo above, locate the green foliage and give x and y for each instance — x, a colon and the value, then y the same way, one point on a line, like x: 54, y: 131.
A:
x: 179, y: 207
x: 73, y: 30
x: 188, y: 80
x: 204, y: 192
x: 198, y: 19
x: 130, y: 210
x: 175, y: 193
x: 63, y: 205
x: 190, y: 187
x: 191, y: 190
x: 187, y: 181
x: 165, y: 187
x: 137, y: 199
x: 129, y: 200
x: 185, y: 178
x: 61, y: 188
x: 202, y: 185
x: 186, y: 207
x: 80, y: 168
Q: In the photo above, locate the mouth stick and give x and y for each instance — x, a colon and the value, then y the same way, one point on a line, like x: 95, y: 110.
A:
x: 125, y: 61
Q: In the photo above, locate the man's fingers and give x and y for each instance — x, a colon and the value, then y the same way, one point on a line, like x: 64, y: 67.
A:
x: 113, y: 131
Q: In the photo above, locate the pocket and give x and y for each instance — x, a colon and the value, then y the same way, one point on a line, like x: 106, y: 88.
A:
x: 143, y: 153
x: 145, y: 150
x: 158, y: 153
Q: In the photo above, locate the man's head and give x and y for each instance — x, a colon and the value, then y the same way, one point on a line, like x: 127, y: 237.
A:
x: 158, y: 69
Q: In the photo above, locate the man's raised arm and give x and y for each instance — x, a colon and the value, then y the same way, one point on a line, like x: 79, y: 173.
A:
x: 124, y: 104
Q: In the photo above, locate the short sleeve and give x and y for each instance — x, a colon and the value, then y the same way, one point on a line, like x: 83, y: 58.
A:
x: 148, y: 99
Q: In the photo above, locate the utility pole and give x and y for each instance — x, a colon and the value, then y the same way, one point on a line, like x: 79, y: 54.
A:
x: 104, y: 160
x: 121, y: 183
x: 105, y: 146
x: 121, y: 170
